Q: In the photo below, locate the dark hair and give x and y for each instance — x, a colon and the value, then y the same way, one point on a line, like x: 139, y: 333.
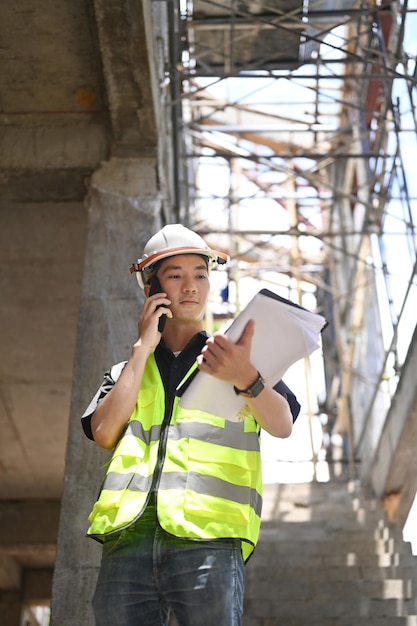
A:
x: 153, y: 269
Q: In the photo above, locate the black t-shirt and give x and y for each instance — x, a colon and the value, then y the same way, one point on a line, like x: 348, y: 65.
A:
x: 172, y: 370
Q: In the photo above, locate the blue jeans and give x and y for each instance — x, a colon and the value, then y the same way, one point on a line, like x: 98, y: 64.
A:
x: 146, y: 575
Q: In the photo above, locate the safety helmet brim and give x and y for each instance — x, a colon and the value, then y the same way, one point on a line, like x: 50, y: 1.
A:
x: 165, y: 244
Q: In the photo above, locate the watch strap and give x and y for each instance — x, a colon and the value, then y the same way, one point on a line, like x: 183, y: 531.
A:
x: 253, y: 390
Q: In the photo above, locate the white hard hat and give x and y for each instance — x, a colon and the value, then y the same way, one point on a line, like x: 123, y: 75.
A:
x: 171, y: 240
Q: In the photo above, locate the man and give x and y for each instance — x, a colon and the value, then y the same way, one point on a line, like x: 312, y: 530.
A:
x: 179, y: 510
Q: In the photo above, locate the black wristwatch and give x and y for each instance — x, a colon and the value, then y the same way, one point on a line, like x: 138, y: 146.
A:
x: 253, y: 390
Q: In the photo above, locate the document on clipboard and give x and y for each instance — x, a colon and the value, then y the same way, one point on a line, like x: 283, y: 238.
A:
x: 284, y: 333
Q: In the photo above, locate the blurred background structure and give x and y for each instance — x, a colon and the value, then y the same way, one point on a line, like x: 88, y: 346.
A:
x: 283, y: 132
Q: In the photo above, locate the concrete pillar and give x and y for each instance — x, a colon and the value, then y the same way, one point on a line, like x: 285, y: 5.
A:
x: 11, y: 607
x: 123, y: 207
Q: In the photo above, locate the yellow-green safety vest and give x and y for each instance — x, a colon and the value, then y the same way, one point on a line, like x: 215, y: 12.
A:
x: 206, y: 471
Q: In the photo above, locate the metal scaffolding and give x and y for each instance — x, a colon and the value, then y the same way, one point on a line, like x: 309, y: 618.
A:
x: 295, y: 126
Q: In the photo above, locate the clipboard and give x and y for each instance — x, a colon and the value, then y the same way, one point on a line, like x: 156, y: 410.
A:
x: 285, y: 332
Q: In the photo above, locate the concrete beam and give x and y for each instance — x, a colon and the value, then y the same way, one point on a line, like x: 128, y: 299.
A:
x: 11, y: 608
x: 37, y: 586
x: 28, y: 523
x: 34, y: 585
x: 393, y: 474
x: 52, y: 147
x: 124, y: 29
x: 54, y: 185
x: 10, y: 573
x: 49, y: 164
x: 28, y: 539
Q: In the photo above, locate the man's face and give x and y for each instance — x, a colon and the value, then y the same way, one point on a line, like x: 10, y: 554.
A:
x: 185, y: 280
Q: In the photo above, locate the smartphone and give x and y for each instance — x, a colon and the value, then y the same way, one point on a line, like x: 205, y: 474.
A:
x: 156, y: 288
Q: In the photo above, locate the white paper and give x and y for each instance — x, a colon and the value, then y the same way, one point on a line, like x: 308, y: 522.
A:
x: 284, y: 333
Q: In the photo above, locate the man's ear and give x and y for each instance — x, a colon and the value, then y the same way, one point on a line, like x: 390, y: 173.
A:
x: 147, y: 289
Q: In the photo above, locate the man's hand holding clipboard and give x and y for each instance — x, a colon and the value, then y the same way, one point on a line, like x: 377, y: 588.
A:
x: 284, y: 333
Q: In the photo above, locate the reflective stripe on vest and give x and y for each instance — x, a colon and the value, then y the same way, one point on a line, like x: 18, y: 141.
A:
x: 210, y: 483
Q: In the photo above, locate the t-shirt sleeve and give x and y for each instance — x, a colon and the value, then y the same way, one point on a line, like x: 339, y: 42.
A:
x: 109, y: 380
x: 285, y: 391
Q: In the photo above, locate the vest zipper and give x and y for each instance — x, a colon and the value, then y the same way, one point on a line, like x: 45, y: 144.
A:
x: 161, y: 450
